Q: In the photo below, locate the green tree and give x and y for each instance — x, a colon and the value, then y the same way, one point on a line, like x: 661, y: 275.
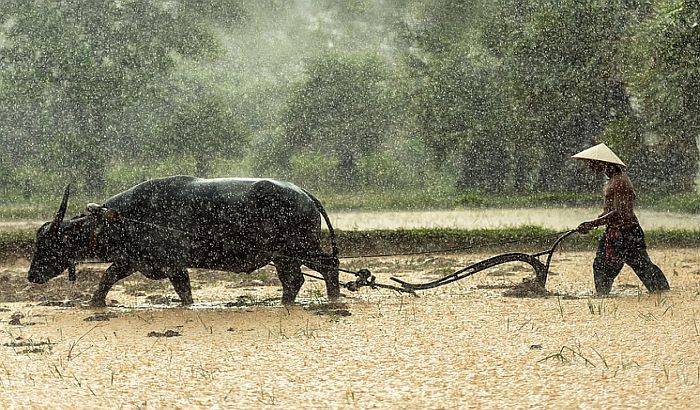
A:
x: 202, y: 129
x: 462, y: 111
x: 565, y: 79
x: 340, y: 109
x: 664, y: 73
x: 86, y: 61
x: 462, y: 119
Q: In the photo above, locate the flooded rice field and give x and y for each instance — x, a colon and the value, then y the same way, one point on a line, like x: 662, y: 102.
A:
x: 464, y: 345
x: 553, y: 218
x: 557, y: 218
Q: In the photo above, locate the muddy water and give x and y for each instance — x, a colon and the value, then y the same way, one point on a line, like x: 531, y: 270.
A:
x: 464, y: 345
x: 557, y: 218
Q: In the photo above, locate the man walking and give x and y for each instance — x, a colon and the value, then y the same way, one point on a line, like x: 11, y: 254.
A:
x: 623, y: 239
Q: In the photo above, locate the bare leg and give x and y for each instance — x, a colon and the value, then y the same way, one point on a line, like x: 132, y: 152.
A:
x: 111, y: 276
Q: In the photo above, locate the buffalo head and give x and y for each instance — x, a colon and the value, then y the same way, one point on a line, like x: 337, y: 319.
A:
x: 51, y: 254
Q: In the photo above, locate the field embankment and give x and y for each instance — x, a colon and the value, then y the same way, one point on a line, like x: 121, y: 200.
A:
x: 366, y: 243
x: 365, y: 233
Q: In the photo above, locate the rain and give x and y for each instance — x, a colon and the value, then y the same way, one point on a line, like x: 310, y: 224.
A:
x: 249, y: 150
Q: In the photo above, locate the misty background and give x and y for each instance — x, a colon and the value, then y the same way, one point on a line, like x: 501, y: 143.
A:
x: 485, y: 97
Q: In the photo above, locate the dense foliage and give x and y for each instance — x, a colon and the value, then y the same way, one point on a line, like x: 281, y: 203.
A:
x: 475, y: 95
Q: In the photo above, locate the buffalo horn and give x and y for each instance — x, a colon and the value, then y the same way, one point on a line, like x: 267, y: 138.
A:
x: 61, y: 213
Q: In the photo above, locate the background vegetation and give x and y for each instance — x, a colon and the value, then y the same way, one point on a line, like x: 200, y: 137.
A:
x: 444, y: 103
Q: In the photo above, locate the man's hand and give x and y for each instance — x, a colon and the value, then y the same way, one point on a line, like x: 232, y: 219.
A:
x: 585, y: 227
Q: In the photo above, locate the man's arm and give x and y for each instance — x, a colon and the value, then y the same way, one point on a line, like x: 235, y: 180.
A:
x: 604, y: 219
x: 618, y: 199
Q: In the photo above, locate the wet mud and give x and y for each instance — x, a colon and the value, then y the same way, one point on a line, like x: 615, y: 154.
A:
x: 492, y: 340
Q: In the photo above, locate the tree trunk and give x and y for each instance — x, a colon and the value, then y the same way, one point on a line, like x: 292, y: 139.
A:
x: 521, y: 183
x: 91, y: 123
x: 95, y: 180
x: 202, y: 167
x: 551, y: 176
x: 348, y: 168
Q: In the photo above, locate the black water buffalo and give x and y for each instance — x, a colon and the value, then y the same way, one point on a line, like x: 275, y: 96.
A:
x: 163, y: 226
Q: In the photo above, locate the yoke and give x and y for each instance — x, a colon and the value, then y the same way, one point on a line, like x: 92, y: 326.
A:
x: 541, y: 269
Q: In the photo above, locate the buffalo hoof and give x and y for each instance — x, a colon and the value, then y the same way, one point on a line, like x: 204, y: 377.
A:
x: 97, y: 303
x: 334, y: 295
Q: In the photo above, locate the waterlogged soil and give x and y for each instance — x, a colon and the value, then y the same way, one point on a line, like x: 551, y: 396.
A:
x: 487, y: 341
x: 552, y: 218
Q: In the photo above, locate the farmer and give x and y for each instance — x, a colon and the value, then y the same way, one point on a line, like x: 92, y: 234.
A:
x: 623, y: 239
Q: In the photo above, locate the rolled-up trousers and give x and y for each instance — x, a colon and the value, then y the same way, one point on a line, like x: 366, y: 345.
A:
x: 618, y: 246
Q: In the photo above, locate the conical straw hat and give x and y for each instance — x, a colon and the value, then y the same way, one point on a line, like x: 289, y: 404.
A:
x: 600, y: 152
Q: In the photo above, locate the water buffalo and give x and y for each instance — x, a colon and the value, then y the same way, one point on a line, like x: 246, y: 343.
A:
x: 163, y: 226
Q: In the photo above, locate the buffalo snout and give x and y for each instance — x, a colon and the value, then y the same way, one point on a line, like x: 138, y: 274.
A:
x: 42, y: 274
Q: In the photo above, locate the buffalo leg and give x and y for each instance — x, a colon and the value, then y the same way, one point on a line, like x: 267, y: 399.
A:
x: 330, y: 275
x: 327, y: 266
x: 111, y: 276
x: 292, y: 279
x: 180, y: 279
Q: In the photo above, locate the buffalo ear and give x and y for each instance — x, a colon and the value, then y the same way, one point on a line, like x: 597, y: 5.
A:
x: 111, y: 214
x: 99, y: 210
x: 93, y: 209
x: 61, y: 213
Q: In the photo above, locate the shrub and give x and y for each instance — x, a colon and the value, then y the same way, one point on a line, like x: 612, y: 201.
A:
x: 313, y: 171
x: 382, y: 170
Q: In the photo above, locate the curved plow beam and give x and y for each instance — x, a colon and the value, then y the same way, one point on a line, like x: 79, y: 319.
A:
x: 541, y: 269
